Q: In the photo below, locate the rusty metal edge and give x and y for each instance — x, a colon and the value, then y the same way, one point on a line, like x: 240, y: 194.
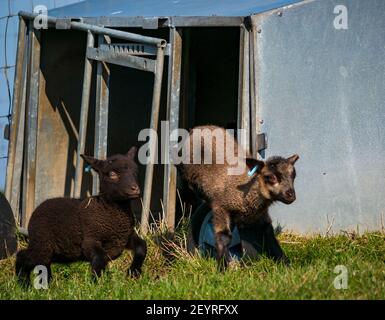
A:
x: 101, y: 113
x: 173, y: 103
x: 147, y: 190
x: 244, y: 88
x: 16, y: 106
x: 31, y: 127
x: 83, y: 117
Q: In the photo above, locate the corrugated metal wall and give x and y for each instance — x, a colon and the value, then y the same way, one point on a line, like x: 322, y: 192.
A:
x: 322, y: 95
x: 8, y: 39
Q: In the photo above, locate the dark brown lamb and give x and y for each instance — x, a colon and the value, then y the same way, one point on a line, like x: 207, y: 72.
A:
x: 96, y: 229
x: 242, y: 199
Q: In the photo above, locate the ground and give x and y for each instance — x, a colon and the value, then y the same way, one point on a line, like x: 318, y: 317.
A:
x: 311, y: 275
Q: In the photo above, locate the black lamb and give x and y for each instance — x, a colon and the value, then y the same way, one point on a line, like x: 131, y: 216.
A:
x: 96, y: 229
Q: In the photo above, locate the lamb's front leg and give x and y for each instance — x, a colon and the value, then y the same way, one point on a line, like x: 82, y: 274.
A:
x: 222, y: 222
x: 96, y: 255
x: 139, y: 249
x: 270, y: 244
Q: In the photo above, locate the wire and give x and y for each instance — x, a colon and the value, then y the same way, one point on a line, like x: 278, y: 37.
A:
x: 5, y: 68
x: 9, y: 16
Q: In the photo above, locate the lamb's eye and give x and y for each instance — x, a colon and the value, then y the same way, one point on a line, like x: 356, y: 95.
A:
x: 271, y: 178
x: 113, y: 175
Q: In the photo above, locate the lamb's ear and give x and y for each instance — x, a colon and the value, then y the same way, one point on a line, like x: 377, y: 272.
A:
x: 132, y: 152
x: 293, y: 158
x: 94, y: 163
x: 254, y: 163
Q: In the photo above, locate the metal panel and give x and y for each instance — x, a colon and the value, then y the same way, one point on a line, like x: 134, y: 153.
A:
x: 83, y: 118
x: 59, y: 113
x: 121, y: 59
x: 167, y: 8
x: 173, y: 97
x: 101, y: 114
x: 140, y: 22
x: 31, y: 126
x: 244, y: 88
x: 134, y: 22
x: 15, y: 179
x: 147, y: 189
x: 322, y: 95
x: 212, y: 21
x: 16, y: 114
x: 254, y: 92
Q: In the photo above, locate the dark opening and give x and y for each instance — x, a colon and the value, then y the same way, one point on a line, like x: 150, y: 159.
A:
x: 130, y: 112
x: 210, y: 76
x: 209, y: 85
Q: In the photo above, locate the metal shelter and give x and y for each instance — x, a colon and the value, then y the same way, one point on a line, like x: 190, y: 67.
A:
x: 251, y: 64
x: 92, y: 17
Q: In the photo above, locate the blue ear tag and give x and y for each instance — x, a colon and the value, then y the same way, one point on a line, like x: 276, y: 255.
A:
x: 252, y: 171
x: 87, y: 168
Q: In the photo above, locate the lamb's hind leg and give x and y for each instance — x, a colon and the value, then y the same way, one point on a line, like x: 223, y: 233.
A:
x: 222, y: 222
x: 27, y: 260
x: 23, y: 268
x: 96, y: 255
x: 139, y: 249
x: 271, y: 245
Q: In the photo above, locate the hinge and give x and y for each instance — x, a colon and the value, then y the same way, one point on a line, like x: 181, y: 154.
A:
x: 261, y: 141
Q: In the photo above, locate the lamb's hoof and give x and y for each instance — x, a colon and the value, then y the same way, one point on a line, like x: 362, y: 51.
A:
x: 134, y: 273
x: 96, y: 276
x: 285, y: 261
x: 222, y: 269
x: 222, y: 266
x: 24, y: 283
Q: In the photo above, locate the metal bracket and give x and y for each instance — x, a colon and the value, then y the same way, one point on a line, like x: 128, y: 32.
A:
x: 65, y: 23
x: 134, y: 49
x: 261, y: 141
x: 121, y: 58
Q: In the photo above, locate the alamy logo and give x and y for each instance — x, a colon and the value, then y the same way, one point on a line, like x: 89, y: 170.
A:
x: 41, y: 20
x: 341, y: 281
x: 177, y: 147
x: 41, y: 279
x: 341, y: 20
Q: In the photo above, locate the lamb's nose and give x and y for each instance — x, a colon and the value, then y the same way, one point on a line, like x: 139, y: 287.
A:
x: 290, y: 193
x: 135, y: 188
x: 132, y: 191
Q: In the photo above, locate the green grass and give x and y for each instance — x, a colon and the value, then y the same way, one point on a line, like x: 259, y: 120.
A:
x: 193, y: 277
